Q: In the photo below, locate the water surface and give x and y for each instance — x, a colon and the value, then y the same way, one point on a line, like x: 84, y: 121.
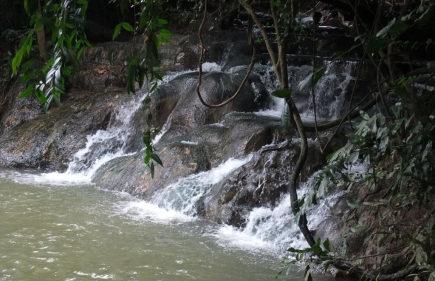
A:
x: 84, y: 233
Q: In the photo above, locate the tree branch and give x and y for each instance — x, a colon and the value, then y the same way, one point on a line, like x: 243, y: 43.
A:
x: 201, y: 46
x: 292, y: 186
x: 265, y: 36
x: 351, y: 114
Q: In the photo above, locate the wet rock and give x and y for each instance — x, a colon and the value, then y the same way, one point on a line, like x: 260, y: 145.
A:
x: 21, y: 110
x: 185, y: 152
x: 217, y: 87
x: 261, y: 182
x: 49, y: 140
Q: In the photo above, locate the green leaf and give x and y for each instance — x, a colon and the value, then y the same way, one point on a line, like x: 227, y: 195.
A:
x: 164, y: 35
x: 161, y: 22
x: 147, y: 101
x: 147, y: 138
x: 40, y: 95
x: 158, y: 76
x: 164, y: 32
x: 282, y: 93
x: 326, y: 244
x: 353, y: 204
x: 398, y: 29
x: 426, y: 16
x: 111, y: 55
x: 147, y: 158
x: 30, y: 6
x: 26, y: 77
x: 127, y: 26
x: 16, y: 62
x: 384, y: 31
x: 156, y: 158
x: 153, y: 87
x: 26, y: 66
x: 149, y: 118
x: 80, y: 52
x: 152, y: 47
x: 318, y: 75
x: 316, y: 249
x: 311, y: 79
x: 116, y: 32
x: 26, y: 92
x: 143, y: 20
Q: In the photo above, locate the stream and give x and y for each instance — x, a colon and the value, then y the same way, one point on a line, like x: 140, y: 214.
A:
x: 61, y: 226
x: 61, y: 232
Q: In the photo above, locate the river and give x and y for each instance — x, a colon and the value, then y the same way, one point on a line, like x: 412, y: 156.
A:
x: 60, y: 232
x: 57, y: 229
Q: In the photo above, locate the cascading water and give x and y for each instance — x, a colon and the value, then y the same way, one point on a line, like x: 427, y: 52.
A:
x: 274, y: 229
x: 106, y: 144
x: 269, y: 228
x: 186, y: 193
x: 331, y: 91
x: 100, y: 148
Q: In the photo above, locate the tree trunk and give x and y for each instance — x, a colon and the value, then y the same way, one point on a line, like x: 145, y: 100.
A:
x: 40, y: 34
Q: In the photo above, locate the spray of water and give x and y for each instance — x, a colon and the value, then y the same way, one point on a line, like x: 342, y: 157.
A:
x: 184, y: 195
x: 100, y: 148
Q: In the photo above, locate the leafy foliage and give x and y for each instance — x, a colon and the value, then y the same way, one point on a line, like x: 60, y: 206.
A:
x: 388, y: 163
x: 148, y: 27
x: 64, y: 20
x: 399, y: 168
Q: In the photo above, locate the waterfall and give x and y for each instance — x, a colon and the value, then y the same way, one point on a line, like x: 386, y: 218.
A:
x: 101, y: 147
x: 274, y: 228
x: 331, y: 90
x: 267, y: 228
x: 270, y: 229
x: 105, y: 145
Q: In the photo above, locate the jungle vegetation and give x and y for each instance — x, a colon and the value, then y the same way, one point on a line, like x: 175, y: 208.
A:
x: 391, y: 211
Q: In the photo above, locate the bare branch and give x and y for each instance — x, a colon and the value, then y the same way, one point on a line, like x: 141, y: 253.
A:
x: 201, y: 46
x: 265, y: 36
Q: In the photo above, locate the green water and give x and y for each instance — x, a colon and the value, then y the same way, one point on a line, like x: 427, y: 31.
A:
x: 83, y: 233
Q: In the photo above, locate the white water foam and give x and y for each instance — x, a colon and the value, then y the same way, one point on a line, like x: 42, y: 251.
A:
x: 177, y: 202
x: 184, y: 195
x: 100, y: 148
x: 274, y: 229
x: 270, y: 229
x: 189, y: 142
x: 141, y: 210
x: 211, y: 66
x: 228, y: 236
